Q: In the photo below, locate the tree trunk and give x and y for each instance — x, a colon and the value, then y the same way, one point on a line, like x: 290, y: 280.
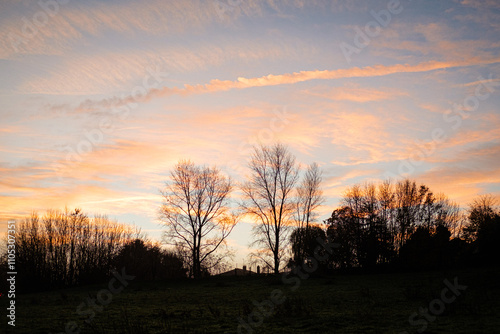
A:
x: 276, y: 256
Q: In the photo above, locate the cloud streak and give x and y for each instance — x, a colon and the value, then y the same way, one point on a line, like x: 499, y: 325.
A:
x: 85, y: 21
x: 355, y: 94
x: 217, y: 85
x: 108, y: 72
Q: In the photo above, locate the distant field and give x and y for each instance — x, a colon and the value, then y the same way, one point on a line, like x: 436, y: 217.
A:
x: 375, y: 303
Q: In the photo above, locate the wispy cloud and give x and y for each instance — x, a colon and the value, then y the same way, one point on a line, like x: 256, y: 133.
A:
x: 289, y: 78
x: 362, y: 137
x: 481, y: 3
x: 479, y: 82
x: 431, y: 40
x: 226, y: 77
x: 433, y: 108
x: 110, y: 72
x: 460, y: 184
x: 93, y: 199
x: 73, y: 21
x: 84, y: 21
x: 354, y: 93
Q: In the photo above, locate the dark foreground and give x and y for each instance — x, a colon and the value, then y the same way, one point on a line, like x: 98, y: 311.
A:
x: 374, y: 303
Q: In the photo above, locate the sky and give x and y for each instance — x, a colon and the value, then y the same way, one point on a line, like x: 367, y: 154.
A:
x: 100, y: 99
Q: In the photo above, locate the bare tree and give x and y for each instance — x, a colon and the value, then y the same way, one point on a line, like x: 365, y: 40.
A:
x: 386, y: 197
x: 353, y: 199
x: 480, y: 211
x: 409, y: 199
x: 309, y: 198
x: 448, y: 214
x: 65, y: 248
x: 197, y: 214
x: 268, y: 198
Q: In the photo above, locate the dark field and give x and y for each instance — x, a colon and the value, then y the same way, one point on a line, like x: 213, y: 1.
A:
x: 374, y: 303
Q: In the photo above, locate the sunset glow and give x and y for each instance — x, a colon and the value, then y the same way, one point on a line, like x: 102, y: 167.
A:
x: 101, y: 99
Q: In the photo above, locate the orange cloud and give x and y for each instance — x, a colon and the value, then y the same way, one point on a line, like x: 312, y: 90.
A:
x: 435, y: 40
x: 107, y: 72
x: 481, y: 3
x: 455, y: 148
x: 355, y: 94
x: 46, y: 198
x: 433, y: 108
x: 364, y: 137
x: 72, y: 22
x: 460, y: 184
x: 217, y: 85
x: 123, y: 158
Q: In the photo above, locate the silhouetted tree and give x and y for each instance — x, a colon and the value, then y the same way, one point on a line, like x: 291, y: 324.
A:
x: 309, y: 198
x: 148, y: 261
x: 64, y: 248
x: 448, y: 214
x: 341, y: 230
x: 415, y: 253
x: 387, y: 216
x: 427, y: 250
x: 268, y: 198
x: 362, y: 224
x: 375, y: 222
x: 304, y: 242
x: 409, y: 200
x: 481, y: 210
x: 197, y: 214
x: 483, y: 228
x: 375, y: 243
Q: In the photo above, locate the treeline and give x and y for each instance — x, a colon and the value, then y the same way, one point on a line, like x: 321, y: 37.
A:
x: 401, y: 225
x: 63, y: 248
x: 405, y: 226
x: 398, y: 224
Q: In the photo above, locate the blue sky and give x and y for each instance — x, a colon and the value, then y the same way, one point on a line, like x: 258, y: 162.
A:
x: 101, y: 98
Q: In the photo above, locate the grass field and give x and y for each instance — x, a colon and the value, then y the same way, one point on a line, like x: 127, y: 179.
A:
x: 374, y: 303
